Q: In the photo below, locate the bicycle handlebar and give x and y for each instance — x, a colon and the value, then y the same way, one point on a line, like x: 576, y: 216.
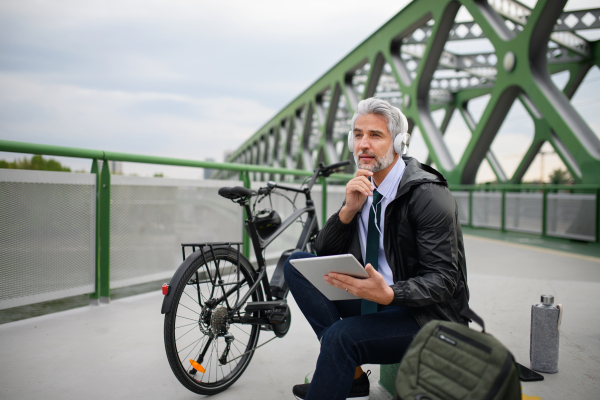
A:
x: 333, y: 167
x: 321, y: 170
x: 325, y: 171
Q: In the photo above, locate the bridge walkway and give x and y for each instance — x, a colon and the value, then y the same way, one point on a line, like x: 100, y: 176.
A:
x: 117, y: 352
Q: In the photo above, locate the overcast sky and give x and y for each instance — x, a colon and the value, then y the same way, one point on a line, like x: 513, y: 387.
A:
x: 185, y: 79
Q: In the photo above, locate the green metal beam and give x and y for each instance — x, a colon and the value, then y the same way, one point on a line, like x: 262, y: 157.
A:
x: 528, y: 46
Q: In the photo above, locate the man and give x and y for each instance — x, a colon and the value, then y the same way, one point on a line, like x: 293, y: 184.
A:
x: 401, y: 221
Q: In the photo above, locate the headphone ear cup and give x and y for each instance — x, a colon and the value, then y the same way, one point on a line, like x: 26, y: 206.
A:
x: 350, y: 142
x: 401, y: 143
x: 398, y: 147
x: 405, y: 142
x: 401, y: 139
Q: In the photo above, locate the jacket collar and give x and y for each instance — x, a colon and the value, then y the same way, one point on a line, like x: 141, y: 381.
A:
x: 416, y: 174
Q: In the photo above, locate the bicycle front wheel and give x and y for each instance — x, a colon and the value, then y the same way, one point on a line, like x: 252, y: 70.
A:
x: 202, y: 330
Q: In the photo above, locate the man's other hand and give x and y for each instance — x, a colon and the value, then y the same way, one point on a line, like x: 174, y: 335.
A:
x: 372, y: 288
x: 357, y: 191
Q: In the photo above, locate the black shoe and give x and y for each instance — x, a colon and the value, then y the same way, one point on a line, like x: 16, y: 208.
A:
x: 358, y: 391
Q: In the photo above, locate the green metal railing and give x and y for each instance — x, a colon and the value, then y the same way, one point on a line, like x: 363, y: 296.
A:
x: 545, y: 189
x: 103, y: 187
x: 103, y: 193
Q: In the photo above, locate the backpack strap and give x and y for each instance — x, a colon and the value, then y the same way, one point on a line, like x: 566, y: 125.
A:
x: 470, y: 314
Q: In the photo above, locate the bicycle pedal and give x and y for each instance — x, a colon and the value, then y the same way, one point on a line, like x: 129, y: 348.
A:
x: 279, y: 314
x: 274, y: 311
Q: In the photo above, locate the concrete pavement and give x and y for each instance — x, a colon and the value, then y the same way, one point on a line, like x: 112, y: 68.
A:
x: 116, y: 351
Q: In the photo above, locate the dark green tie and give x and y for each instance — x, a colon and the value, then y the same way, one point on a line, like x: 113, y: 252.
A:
x: 368, y: 307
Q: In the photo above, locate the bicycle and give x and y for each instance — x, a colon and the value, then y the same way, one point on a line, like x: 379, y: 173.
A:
x: 217, y: 301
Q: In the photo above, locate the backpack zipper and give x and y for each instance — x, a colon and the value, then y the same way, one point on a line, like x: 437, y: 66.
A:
x: 465, y: 339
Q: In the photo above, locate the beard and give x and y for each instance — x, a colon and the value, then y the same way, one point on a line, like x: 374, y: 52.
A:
x: 380, y: 162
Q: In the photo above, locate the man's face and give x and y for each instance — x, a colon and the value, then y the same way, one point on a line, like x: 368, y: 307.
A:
x: 373, y: 148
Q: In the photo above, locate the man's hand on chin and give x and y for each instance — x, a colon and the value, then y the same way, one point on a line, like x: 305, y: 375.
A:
x: 373, y: 288
x: 357, y: 191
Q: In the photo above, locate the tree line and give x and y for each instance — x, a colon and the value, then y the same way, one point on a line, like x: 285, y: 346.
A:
x: 36, y: 162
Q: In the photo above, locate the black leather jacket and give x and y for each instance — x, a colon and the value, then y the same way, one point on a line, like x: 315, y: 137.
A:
x: 423, y: 245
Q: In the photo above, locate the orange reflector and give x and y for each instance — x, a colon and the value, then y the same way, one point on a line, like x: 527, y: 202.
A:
x: 197, y: 366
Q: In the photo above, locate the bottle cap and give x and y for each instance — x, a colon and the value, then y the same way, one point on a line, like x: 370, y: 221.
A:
x: 547, y: 299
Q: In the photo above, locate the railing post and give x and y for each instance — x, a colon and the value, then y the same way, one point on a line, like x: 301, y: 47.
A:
x: 471, y: 207
x: 245, y: 177
x: 324, y: 200
x: 95, y: 297
x: 104, y: 233
x: 503, y: 212
x: 544, y: 212
x: 598, y: 215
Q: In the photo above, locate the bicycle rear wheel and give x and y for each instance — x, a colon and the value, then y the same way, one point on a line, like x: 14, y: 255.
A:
x: 201, y: 325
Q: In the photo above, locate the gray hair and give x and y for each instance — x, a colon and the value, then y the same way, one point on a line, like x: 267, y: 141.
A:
x: 382, y: 108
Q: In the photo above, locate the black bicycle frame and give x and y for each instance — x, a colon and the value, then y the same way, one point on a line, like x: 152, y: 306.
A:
x: 260, y: 244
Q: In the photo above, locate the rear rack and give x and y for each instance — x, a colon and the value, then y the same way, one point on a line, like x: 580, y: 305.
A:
x: 208, y: 244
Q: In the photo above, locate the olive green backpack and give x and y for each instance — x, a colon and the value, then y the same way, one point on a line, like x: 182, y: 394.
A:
x: 448, y: 361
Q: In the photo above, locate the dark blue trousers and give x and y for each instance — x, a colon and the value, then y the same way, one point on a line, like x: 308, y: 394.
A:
x: 348, y: 339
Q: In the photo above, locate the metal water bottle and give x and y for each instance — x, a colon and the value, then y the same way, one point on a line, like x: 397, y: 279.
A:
x: 545, y: 329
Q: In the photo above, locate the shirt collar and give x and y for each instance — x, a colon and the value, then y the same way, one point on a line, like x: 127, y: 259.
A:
x: 390, y: 182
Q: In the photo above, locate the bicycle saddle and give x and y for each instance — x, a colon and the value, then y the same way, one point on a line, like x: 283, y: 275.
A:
x: 236, y: 192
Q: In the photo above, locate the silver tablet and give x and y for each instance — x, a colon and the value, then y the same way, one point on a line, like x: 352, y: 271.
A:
x: 315, y: 268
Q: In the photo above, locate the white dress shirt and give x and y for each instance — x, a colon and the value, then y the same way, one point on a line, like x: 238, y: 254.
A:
x: 387, y: 189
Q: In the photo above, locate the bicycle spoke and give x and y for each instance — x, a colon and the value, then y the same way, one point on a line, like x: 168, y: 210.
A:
x: 208, y: 364
x: 189, y: 345
x: 187, y: 357
x: 189, y: 309
x: 204, y: 298
x: 213, y: 368
x: 179, y: 316
x: 183, y: 326
x: 240, y: 329
x: 199, y: 292
x: 221, y: 368
x: 220, y: 278
x: 217, y: 363
x: 240, y: 342
x: 238, y: 350
x: 194, y: 300
x: 191, y: 329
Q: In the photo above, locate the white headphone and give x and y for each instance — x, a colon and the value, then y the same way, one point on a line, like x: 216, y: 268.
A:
x: 400, y: 142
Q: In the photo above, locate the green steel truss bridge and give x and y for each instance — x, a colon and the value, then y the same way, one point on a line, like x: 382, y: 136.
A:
x: 407, y: 62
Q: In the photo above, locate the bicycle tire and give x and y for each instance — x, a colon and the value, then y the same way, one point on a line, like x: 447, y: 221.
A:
x: 190, y: 322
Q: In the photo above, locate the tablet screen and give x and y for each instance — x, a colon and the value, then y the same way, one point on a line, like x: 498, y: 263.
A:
x: 314, y: 268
